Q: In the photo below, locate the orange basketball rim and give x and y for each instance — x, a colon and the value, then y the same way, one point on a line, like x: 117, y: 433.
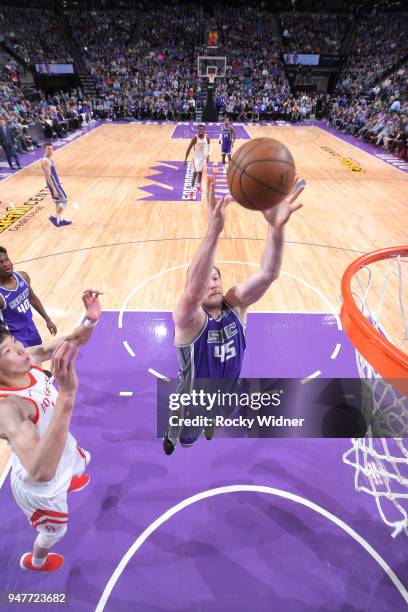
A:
x: 386, y: 358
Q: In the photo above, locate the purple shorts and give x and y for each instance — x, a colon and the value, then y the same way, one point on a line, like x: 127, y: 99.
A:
x: 28, y: 336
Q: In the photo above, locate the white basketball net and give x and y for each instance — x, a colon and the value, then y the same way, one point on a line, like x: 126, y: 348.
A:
x: 381, y: 464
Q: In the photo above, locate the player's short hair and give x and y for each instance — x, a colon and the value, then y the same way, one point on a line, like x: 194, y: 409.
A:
x: 3, y: 250
x: 201, y: 125
x: 47, y: 144
x: 4, y: 332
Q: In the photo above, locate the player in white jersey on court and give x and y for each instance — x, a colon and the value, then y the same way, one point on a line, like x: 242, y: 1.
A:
x: 202, y: 150
x: 47, y: 461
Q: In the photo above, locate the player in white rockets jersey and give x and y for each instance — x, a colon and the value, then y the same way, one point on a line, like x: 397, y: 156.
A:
x: 202, y: 150
x: 47, y: 462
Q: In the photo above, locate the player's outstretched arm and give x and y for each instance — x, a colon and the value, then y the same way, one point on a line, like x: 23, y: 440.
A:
x: 188, y: 312
x: 190, y: 146
x: 79, y: 336
x: 40, y: 456
x: 35, y: 302
x: 241, y: 296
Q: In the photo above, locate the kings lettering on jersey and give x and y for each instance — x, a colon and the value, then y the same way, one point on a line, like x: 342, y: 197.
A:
x: 217, y: 352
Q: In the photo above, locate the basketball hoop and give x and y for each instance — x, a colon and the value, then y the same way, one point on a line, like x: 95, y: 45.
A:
x: 374, y: 318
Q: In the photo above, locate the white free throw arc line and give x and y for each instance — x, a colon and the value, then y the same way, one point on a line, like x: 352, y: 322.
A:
x: 335, y: 352
x: 128, y: 348
x: 227, y: 261
x: 158, y: 375
x: 310, y: 377
x: 253, y: 489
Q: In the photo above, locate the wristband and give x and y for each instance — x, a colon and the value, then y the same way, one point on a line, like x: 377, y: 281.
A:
x: 89, y: 323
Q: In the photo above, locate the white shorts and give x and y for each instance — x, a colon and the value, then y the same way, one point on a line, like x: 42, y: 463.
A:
x: 199, y: 163
x: 45, y: 513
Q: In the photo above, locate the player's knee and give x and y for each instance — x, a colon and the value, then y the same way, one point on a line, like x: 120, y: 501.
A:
x: 46, y: 539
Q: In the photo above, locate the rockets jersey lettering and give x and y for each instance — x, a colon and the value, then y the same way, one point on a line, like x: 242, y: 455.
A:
x: 43, y: 395
x: 201, y: 147
x: 16, y: 312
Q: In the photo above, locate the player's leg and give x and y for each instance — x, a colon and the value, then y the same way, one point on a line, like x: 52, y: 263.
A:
x: 57, y: 217
x: 41, y: 559
x: 62, y: 205
x: 8, y: 156
x: 199, y: 180
x: 223, y: 156
x: 194, y: 178
x: 173, y: 433
x: 176, y: 432
x: 49, y: 517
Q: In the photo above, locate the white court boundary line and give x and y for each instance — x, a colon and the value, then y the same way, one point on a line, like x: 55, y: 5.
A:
x: 66, y: 144
x: 228, y: 261
x: 246, y: 488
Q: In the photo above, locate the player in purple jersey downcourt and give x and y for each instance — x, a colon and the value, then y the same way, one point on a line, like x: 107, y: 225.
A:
x: 210, y: 326
x: 16, y: 299
x: 58, y: 195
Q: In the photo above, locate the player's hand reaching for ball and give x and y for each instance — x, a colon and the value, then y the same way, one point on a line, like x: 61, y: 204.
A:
x: 279, y: 215
x: 63, y: 367
x: 90, y: 298
x: 216, y: 207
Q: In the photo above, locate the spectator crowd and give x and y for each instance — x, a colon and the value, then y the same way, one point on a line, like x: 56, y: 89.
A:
x: 34, y: 35
x: 314, y: 32
x: 144, y: 66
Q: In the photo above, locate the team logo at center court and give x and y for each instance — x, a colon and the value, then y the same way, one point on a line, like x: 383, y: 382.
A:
x: 173, y: 182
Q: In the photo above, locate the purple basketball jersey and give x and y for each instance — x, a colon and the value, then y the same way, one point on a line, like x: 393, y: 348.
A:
x: 16, y: 313
x: 226, y: 140
x: 217, y: 352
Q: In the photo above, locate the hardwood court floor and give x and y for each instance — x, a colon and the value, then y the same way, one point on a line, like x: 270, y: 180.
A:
x: 118, y: 240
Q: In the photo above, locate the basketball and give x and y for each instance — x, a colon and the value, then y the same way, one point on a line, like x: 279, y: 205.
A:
x: 261, y: 173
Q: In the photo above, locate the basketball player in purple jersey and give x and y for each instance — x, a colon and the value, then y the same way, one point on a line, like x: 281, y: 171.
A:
x: 210, y: 326
x: 58, y: 195
x: 226, y: 140
x: 202, y: 150
x: 16, y: 298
